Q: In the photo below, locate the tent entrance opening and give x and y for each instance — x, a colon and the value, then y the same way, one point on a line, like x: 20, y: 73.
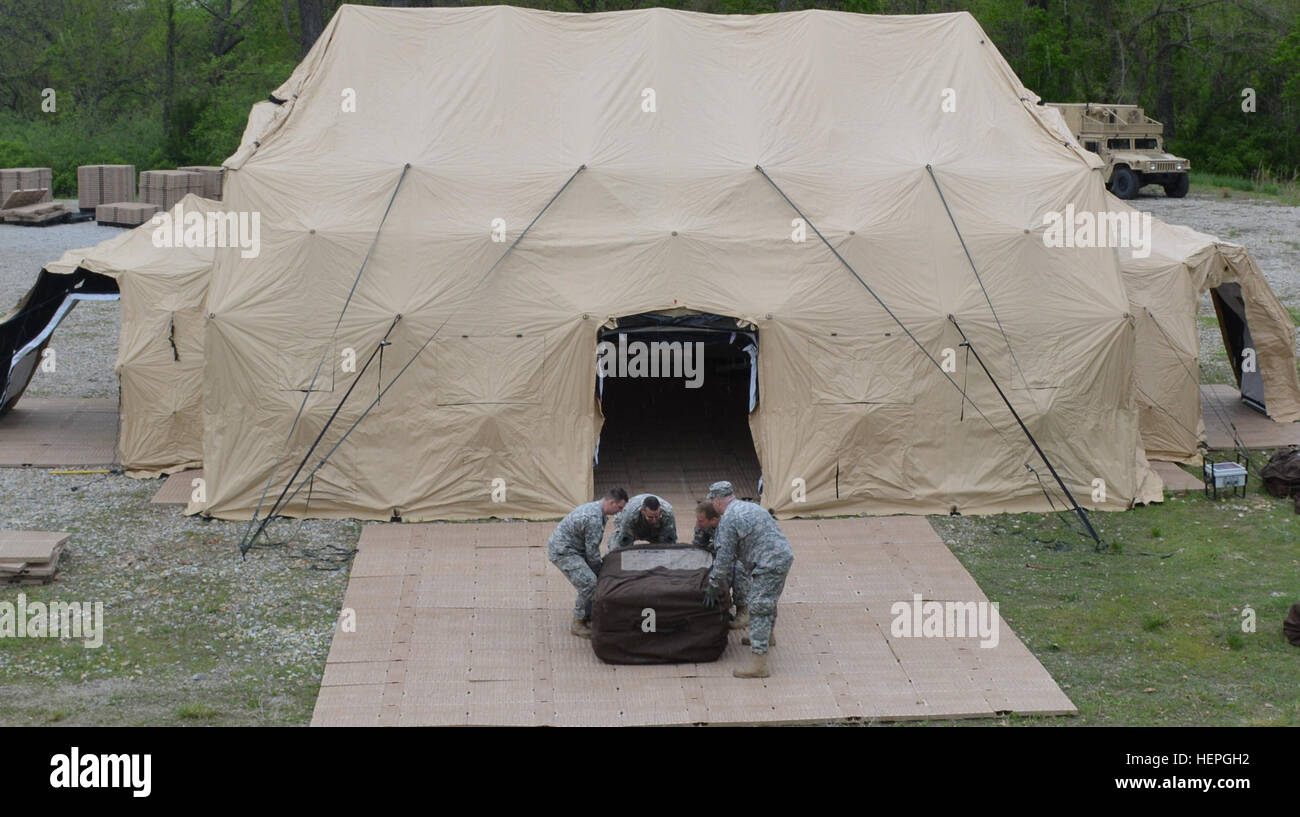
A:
x: 676, y: 392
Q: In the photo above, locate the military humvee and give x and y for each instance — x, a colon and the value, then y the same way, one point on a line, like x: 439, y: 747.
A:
x: 1130, y: 144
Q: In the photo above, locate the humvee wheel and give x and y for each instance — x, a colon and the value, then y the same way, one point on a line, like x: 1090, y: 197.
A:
x: 1124, y: 183
x: 1179, y: 188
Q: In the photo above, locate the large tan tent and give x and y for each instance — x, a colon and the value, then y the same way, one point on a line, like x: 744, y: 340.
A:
x: 437, y: 123
x: 615, y: 159
x: 471, y: 198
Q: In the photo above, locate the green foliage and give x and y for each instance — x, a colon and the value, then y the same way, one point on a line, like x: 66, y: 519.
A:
x: 73, y: 140
x: 15, y: 154
x: 196, y: 712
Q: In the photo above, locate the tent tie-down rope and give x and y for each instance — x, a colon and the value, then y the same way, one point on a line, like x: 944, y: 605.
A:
x: 280, y: 501
x: 975, y: 270
x: 1077, y: 508
x: 1082, y: 515
x: 246, y: 541
x: 878, y: 300
x: 244, y: 546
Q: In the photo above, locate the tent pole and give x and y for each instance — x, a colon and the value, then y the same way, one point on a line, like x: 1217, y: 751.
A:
x: 245, y: 541
x: 423, y: 346
x: 1077, y: 508
x: 975, y: 270
x: 883, y: 306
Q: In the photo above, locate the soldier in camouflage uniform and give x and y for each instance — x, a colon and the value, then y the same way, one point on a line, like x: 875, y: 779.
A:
x: 748, y: 532
x: 706, y: 526
x: 574, y: 547
x: 646, y: 517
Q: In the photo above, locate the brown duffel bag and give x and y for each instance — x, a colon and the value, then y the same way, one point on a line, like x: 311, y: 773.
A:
x: 1291, y: 627
x: 1281, y: 475
x: 649, y: 607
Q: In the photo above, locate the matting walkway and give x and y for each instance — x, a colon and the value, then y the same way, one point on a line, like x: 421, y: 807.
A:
x: 469, y: 624
x: 1221, y: 404
x: 177, y: 488
x: 1176, y: 480
x: 50, y: 432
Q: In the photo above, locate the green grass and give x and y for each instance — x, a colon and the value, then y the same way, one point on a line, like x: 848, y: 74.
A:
x: 1149, y: 631
x: 1263, y: 185
x: 196, y: 712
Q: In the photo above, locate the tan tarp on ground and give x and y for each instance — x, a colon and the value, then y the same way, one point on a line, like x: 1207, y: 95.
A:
x: 163, y: 290
x: 494, y: 108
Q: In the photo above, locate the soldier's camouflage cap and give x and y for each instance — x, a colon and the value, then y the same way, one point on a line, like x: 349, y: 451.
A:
x: 720, y: 489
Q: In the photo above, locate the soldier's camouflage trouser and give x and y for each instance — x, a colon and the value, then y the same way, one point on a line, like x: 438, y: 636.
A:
x: 740, y: 584
x: 765, y: 586
x: 582, y: 576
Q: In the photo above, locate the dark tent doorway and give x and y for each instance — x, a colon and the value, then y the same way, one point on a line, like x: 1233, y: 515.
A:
x: 1230, y: 307
x: 25, y: 331
x: 673, y: 428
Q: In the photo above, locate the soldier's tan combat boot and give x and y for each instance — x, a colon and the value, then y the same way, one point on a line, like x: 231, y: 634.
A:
x: 756, y: 668
x: 580, y: 628
x: 741, y: 621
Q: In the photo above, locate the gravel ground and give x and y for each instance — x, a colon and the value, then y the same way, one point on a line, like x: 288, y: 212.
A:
x: 194, y: 634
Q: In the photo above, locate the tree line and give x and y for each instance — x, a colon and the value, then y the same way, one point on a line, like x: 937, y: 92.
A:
x: 161, y: 83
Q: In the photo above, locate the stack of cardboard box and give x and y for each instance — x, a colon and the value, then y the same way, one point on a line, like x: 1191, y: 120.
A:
x: 32, y: 207
x: 26, y: 178
x: 212, y: 179
x: 166, y: 187
x: 125, y: 213
x: 30, y: 557
x: 102, y: 184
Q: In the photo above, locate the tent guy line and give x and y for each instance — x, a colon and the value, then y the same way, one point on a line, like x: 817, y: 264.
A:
x: 929, y: 169
x: 1079, y: 510
x: 965, y: 342
x: 244, y: 546
x: 883, y: 305
x: 246, y: 541
x: 280, y: 501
